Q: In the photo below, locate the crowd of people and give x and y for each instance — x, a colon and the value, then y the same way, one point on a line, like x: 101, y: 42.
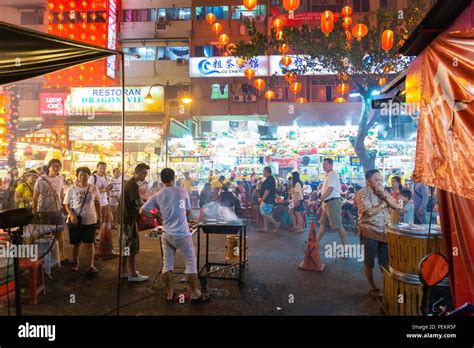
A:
x: 91, y: 202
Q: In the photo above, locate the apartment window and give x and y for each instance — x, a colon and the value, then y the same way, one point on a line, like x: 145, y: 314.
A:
x: 29, y: 92
x: 221, y: 12
x: 361, y: 5
x: 79, y: 17
x: 139, y: 15
x: 204, y: 51
x: 175, y: 13
x: 145, y: 53
x: 241, y: 11
x: 323, y: 5
x: 32, y: 17
x: 219, y: 91
x: 173, y: 53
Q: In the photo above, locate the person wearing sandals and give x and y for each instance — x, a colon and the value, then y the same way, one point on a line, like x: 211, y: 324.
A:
x: 82, y: 202
x: 174, y: 207
x: 297, y: 210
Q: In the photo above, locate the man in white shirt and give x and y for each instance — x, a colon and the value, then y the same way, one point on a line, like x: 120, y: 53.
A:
x: 100, y: 180
x: 332, y: 203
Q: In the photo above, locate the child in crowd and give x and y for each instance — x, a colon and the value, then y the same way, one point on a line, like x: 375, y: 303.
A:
x: 408, y: 211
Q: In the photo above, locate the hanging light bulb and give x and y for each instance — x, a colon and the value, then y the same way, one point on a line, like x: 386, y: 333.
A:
x: 286, y: 61
x: 296, y: 87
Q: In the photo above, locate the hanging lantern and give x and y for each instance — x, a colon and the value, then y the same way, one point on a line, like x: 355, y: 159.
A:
x: 269, y: 95
x: 231, y: 48
x: 250, y: 4
x: 340, y: 100
x: 223, y: 39
x: 302, y: 100
x: 50, y: 28
x: 342, y: 88
x: 240, y: 61
x: 296, y: 87
x: 72, y: 4
x: 61, y: 7
x: 249, y: 73
x: 291, y: 5
x: 382, y: 81
x: 50, y: 6
x: 291, y: 77
x: 346, y: 22
x: 211, y: 18
x: 61, y: 27
x: 83, y: 36
x: 346, y: 11
x: 345, y: 77
x: 61, y: 17
x: 92, y: 26
x: 71, y: 26
x: 359, y: 31
x: 93, y: 16
x: 286, y: 60
x: 216, y: 28
x: 387, y: 40
x: 93, y: 38
x: 283, y: 48
x: 279, y: 35
x: 84, y: 4
x: 327, y: 22
x: 279, y: 22
x: 259, y: 84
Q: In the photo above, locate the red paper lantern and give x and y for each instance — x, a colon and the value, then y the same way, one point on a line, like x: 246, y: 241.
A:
x: 240, y: 61
x: 346, y: 22
x: 302, y: 101
x: 269, y: 95
x: 387, y: 40
x: 249, y: 73
x: 327, y: 22
x: 359, y: 31
x: 286, y: 60
x: 283, y: 48
x: 223, y: 39
x: 250, y: 4
x: 291, y: 77
x: 211, y: 18
x: 231, y: 48
x: 291, y: 5
x: 279, y: 35
x: 342, y: 88
x: 259, y: 84
x: 216, y: 28
x: 346, y: 11
x: 279, y: 22
x: 296, y: 87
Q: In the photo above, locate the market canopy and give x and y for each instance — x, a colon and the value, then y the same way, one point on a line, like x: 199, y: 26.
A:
x: 27, y: 53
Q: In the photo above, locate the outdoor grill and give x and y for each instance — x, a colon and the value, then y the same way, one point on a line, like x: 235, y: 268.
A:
x: 211, y: 226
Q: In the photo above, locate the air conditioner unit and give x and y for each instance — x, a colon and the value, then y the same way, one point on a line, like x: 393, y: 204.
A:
x: 181, y: 61
x: 259, y: 18
x: 250, y: 98
x: 160, y: 26
x: 238, y: 98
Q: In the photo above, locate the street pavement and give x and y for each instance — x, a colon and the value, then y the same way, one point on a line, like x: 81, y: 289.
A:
x: 273, y: 283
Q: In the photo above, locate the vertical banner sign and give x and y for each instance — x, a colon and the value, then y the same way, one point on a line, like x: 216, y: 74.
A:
x: 445, y: 145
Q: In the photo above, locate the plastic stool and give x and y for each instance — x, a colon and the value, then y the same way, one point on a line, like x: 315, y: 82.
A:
x: 33, y: 268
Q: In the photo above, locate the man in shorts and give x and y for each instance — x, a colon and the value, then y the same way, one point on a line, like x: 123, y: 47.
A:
x: 130, y: 237
x: 373, y: 204
x: 331, y: 217
x: 174, y: 207
x: 267, y: 200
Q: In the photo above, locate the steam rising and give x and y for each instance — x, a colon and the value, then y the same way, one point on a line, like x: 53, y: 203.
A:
x: 215, y: 211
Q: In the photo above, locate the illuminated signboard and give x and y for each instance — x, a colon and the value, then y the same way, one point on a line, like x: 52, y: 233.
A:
x: 263, y: 65
x: 114, y: 133
x: 109, y: 99
x: 53, y: 104
x: 112, y: 37
x: 183, y: 159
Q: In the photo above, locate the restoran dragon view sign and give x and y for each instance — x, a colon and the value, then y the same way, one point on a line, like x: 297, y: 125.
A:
x: 109, y: 99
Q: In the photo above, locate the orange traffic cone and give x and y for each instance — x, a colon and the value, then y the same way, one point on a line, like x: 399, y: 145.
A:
x: 312, y: 261
x: 106, y: 248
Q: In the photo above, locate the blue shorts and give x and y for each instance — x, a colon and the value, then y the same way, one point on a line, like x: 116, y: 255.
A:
x: 266, y: 209
x: 374, y: 248
x: 300, y: 207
